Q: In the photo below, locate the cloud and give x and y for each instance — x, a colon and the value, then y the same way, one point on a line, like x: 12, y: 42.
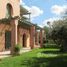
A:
x: 22, y: 3
x: 34, y: 10
x: 51, y: 20
x: 58, y: 10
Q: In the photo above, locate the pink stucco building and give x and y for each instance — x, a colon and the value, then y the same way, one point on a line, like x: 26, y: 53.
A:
x: 13, y: 32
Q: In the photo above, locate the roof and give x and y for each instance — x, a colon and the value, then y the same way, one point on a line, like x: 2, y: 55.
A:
x: 28, y: 24
x: 23, y: 11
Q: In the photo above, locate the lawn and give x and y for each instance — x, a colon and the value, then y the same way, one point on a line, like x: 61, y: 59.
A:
x: 48, y: 57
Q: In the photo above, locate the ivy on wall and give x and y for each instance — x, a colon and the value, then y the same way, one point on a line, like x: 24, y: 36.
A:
x: 8, y: 20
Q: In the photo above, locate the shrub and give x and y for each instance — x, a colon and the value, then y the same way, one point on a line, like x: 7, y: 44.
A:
x: 17, y: 49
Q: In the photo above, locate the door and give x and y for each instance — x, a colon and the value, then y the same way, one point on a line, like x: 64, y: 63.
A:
x: 7, y: 40
x: 24, y: 40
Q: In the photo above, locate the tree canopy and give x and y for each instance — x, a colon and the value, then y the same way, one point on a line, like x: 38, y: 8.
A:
x: 59, y: 33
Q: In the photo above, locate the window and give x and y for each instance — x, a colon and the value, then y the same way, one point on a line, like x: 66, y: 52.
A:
x: 9, y: 11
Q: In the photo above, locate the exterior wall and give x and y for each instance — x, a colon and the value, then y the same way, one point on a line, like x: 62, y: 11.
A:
x: 13, y: 27
x: 3, y: 28
x: 32, y: 36
x: 15, y: 5
x: 21, y: 32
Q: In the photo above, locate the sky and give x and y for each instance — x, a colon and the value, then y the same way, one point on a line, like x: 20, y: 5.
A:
x: 43, y: 11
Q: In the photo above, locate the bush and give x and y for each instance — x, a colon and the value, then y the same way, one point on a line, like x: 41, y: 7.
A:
x: 50, y: 45
x: 17, y: 49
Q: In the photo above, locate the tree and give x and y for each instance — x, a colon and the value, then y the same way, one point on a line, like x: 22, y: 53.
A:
x: 46, y: 31
x: 59, y: 33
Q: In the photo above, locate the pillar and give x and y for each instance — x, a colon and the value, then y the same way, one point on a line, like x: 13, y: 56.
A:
x: 32, y: 36
x: 37, y: 38
x: 14, y: 40
x: 41, y: 38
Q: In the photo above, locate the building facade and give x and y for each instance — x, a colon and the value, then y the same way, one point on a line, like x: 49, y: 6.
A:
x: 13, y: 32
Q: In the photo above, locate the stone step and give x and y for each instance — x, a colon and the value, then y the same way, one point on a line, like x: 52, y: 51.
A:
x: 7, y: 53
x: 25, y: 50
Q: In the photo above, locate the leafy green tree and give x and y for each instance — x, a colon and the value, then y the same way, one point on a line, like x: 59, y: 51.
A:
x: 46, y: 31
x: 59, y: 33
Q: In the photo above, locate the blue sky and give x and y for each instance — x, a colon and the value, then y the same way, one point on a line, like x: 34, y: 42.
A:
x: 45, y: 10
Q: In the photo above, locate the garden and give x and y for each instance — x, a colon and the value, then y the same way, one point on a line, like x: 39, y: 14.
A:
x: 40, y: 57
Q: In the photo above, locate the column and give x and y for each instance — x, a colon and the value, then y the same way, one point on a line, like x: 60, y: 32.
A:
x: 32, y: 36
x: 41, y: 38
x: 14, y: 24
x: 37, y: 38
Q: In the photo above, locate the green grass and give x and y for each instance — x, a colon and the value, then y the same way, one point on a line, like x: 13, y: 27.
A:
x: 48, y: 57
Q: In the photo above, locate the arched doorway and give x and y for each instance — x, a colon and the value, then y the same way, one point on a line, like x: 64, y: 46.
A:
x: 24, y: 40
x: 7, y: 40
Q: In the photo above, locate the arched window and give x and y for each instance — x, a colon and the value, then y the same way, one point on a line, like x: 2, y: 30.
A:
x: 9, y: 11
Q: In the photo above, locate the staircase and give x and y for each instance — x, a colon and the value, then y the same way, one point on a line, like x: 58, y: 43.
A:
x: 25, y: 50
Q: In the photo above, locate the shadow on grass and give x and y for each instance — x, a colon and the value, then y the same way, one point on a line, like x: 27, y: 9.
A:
x: 52, y: 52
x: 46, y: 62
x: 58, y: 61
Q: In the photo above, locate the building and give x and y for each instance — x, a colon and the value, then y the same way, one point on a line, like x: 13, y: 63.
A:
x: 13, y: 31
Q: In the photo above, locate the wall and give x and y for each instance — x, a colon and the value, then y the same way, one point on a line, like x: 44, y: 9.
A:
x: 3, y: 28
x: 15, y: 5
x: 27, y: 33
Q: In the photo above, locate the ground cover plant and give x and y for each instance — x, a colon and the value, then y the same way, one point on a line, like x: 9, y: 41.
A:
x: 48, y: 57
